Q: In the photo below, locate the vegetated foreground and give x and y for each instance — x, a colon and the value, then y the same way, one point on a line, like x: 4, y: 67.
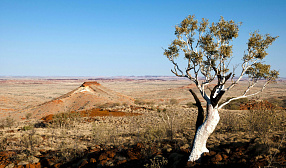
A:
x: 154, y: 127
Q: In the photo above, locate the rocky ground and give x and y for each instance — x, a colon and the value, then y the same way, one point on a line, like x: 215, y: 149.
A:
x: 154, y: 155
x: 155, y: 129
x: 115, y: 140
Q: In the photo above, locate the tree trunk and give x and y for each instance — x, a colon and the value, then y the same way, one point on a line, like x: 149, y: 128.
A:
x: 203, y: 133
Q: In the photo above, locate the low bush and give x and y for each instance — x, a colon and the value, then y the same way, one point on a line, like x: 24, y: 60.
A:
x: 27, y: 127
x: 65, y: 120
x: 139, y: 102
x: 278, y: 102
x: 174, y: 102
x: 191, y: 105
x: 235, y: 104
x: 7, y: 122
x: 3, y: 143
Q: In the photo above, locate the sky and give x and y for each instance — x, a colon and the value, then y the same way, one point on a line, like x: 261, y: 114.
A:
x: 121, y: 37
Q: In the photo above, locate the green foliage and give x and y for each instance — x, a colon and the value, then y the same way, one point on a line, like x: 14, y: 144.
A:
x: 27, y: 127
x: 257, y: 45
x: 212, y: 40
x: 261, y: 71
x: 207, y: 48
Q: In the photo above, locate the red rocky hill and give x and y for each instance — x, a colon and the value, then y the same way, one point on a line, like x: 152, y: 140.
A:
x: 89, y: 95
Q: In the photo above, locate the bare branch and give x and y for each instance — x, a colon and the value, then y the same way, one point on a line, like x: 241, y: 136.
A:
x: 245, y: 67
x: 244, y: 95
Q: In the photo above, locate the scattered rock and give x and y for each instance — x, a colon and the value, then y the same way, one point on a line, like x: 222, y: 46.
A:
x: 82, y: 163
x: 33, y: 159
x: 92, y: 160
x: 10, y: 165
x: 217, y: 158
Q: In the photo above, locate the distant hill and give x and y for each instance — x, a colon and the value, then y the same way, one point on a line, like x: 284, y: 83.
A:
x: 89, y: 95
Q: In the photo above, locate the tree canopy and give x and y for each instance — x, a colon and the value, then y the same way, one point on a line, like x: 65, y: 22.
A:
x: 208, y: 50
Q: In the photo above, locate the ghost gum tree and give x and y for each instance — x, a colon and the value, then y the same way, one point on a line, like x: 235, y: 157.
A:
x: 207, y: 49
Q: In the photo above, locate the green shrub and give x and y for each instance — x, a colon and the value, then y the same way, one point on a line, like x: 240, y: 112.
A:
x: 235, y: 104
x: 27, y: 127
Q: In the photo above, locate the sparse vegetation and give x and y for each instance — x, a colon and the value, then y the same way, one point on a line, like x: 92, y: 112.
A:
x: 191, y: 105
x: 28, y: 115
x: 174, y: 102
x: 157, y: 138
x: 7, y: 122
x: 263, y: 122
x: 3, y: 143
x: 235, y: 104
x: 139, y: 102
x: 65, y: 120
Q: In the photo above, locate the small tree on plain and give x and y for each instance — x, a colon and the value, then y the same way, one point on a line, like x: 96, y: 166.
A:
x: 207, y: 50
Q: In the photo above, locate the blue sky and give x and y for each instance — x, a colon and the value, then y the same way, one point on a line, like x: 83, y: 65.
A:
x: 120, y: 38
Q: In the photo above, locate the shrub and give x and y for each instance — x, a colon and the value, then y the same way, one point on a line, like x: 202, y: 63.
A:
x: 235, y: 104
x: 191, y: 105
x: 157, y: 162
x: 101, y: 133
x: 103, y: 106
x: 7, y: 122
x: 139, y: 102
x: 115, y: 104
x: 29, y: 141
x: 28, y: 115
x: 27, y: 127
x: 232, y: 122
x: 263, y: 121
x: 152, y: 134
x: 3, y: 143
x: 174, y: 102
x: 278, y: 102
x: 65, y: 120
x: 150, y: 103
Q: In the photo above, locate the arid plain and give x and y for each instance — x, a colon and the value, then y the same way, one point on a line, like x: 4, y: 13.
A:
x: 20, y: 93
x: 156, y: 110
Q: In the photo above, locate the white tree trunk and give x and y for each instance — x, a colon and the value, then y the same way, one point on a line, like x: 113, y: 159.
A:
x: 203, y: 133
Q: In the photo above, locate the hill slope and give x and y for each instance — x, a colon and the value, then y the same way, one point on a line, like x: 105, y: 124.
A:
x: 88, y: 95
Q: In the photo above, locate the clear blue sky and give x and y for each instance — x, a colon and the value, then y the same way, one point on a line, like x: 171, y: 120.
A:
x: 114, y: 38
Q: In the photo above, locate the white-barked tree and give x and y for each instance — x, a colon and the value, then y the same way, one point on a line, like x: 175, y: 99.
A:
x: 207, y: 50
